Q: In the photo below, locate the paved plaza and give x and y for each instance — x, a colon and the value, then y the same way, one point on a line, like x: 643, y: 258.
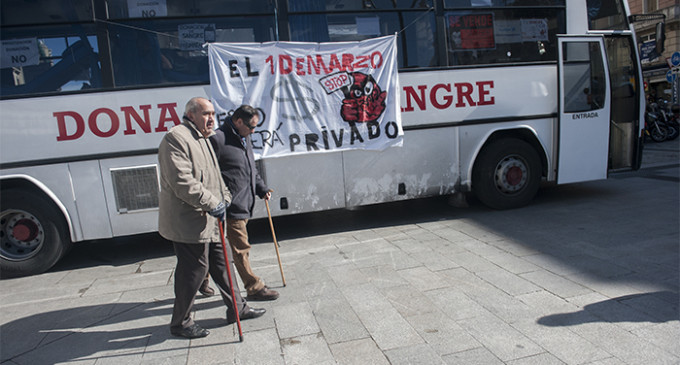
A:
x: 587, y: 274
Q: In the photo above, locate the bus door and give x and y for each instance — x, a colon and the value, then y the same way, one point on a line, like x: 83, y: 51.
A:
x: 624, y: 145
x: 584, y: 109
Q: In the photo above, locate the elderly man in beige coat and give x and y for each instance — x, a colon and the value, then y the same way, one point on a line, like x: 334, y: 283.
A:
x: 193, y: 200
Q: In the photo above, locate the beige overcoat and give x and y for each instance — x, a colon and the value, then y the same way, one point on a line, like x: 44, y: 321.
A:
x: 191, y: 186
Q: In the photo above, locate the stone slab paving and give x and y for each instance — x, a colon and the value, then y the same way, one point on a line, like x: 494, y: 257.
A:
x: 587, y: 274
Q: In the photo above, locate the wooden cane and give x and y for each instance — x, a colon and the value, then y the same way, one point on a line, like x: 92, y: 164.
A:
x: 231, y: 282
x: 276, y: 244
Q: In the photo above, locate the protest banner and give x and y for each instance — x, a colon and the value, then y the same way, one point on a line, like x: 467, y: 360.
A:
x: 313, y: 97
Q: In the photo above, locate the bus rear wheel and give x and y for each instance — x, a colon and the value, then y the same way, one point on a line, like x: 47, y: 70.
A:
x: 506, y: 174
x: 32, y: 234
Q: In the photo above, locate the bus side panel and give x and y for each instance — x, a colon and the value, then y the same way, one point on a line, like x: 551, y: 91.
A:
x: 473, y: 138
x: 88, y: 125
x: 90, y: 200
x: 55, y: 178
x: 132, y: 203
x: 478, y: 95
x: 305, y: 183
x: 426, y: 165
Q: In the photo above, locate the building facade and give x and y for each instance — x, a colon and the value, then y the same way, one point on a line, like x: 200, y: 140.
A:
x: 656, y: 67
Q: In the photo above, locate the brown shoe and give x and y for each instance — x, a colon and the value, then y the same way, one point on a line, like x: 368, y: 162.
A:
x: 205, y: 288
x: 263, y: 295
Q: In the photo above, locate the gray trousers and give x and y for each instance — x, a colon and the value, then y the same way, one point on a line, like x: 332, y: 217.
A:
x: 194, y: 261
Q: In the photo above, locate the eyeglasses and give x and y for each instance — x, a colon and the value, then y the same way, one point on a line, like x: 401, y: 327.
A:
x: 251, y: 127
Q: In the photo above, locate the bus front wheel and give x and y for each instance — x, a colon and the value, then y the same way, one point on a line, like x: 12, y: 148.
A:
x: 506, y: 174
x: 32, y: 234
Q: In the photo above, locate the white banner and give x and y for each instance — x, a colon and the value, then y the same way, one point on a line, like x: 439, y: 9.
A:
x: 314, y: 97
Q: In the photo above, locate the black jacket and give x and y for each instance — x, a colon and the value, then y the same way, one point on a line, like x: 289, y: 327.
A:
x: 238, y: 170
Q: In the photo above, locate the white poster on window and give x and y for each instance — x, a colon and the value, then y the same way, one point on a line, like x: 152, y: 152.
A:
x: 147, y: 8
x: 19, y: 52
x: 313, y: 97
x: 508, y: 31
x: 534, y: 30
x: 193, y: 36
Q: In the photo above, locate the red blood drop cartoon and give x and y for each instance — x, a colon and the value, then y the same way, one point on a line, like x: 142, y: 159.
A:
x: 364, y: 100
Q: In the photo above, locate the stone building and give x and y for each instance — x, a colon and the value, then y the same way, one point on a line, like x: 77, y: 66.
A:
x: 655, y: 67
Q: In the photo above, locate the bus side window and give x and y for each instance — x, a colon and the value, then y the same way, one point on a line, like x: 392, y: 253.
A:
x: 584, y: 77
x: 76, y: 68
x: 478, y: 35
x: 416, y: 44
x: 136, y: 57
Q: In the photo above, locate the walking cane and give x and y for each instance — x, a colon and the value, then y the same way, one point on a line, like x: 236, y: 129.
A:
x: 231, y: 282
x: 276, y: 244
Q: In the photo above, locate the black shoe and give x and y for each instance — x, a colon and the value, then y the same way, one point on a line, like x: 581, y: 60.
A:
x: 252, y: 313
x: 249, y: 314
x: 263, y: 295
x: 205, y: 288
x: 193, y: 331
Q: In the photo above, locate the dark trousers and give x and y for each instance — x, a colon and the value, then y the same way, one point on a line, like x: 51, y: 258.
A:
x: 194, y: 261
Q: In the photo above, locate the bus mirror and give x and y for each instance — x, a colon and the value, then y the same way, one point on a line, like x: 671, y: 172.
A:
x: 660, y: 37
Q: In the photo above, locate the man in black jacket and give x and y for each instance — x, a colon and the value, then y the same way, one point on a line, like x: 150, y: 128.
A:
x: 234, y: 150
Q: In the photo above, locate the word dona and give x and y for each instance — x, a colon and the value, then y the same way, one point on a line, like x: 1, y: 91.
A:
x: 105, y: 122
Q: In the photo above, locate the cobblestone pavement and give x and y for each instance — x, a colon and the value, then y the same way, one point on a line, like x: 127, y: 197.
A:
x: 587, y: 274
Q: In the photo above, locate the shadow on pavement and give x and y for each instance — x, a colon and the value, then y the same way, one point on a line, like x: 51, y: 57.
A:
x: 77, y: 333
x: 116, y: 252
x: 656, y: 307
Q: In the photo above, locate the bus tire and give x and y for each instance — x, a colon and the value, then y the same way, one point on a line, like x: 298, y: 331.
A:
x: 33, y: 234
x: 506, y: 174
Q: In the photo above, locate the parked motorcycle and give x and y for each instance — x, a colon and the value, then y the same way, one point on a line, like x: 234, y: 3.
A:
x: 655, y: 128
x: 670, y: 119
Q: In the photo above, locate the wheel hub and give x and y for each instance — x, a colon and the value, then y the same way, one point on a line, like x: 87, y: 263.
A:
x: 25, y: 230
x: 21, y: 235
x: 511, y: 175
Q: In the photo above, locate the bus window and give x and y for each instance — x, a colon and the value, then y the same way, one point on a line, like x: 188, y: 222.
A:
x: 139, y: 64
x: 478, y: 36
x: 124, y: 9
x: 347, y: 5
x: 48, y: 64
x: 584, y: 77
x: 171, y: 51
x: 500, y: 3
x: 606, y: 14
x: 416, y: 43
x: 623, y: 73
x: 60, y: 54
x: 22, y: 12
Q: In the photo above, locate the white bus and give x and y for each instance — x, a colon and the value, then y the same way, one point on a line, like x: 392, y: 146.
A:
x: 497, y: 98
